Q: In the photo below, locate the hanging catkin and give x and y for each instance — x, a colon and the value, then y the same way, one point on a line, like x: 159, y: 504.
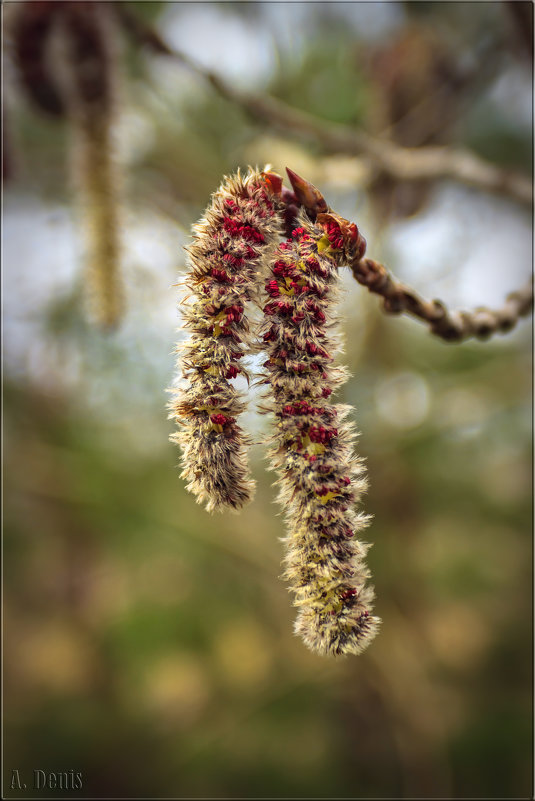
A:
x: 243, y: 221
x: 320, y: 479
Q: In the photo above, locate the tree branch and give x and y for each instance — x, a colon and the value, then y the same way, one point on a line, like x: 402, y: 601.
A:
x: 401, y: 163
x: 451, y: 326
x: 398, y: 298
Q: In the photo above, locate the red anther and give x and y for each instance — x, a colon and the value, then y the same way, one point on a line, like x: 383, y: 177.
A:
x: 269, y: 336
x: 219, y: 419
x: 315, y: 266
x: 247, y: 232
x: 297, y: 232
x: 349, y: 593
x: 283, y: 307
x: 231, y: 226
x: 322, y: 434
x: 281, y: 268
x: 286, y: 245
x: 322, y: 490
x: 221, y: 275
x: 272, y: 288
x: 283, y: 353
x: 251, y: 234
x: 297, y: 318
x: 269, y: 308
x: 288, y: 410
x: 313, y: 434
x: 235, y: 261
x: 232, y: 372
x: 312, y: 348
x: 234, y: 313
x: 335, y: 235
x: 229, y: 203
x: 342, y: 233
x: 312, y: 458
x: 314, y: 366
x: 326, y: 391
x: 345, y: 481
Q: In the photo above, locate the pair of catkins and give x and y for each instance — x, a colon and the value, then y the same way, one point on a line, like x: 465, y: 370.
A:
x: 237, y: 258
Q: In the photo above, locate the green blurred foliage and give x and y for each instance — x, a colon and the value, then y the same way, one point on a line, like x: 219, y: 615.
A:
x: 149, y: 645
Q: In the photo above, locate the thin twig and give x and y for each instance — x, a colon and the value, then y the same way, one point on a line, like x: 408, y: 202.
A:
x: 401, y: 163
x: 451, y: 326
x: 398, y: 298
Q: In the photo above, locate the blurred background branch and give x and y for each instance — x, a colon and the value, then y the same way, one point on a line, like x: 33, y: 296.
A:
x: 400, y: 163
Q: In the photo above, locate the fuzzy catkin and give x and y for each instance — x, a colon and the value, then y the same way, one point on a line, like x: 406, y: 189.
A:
x: 320, y: 479
x: 242, y: 222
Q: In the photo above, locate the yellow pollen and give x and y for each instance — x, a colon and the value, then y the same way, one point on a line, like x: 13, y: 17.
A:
x: 327, y: 497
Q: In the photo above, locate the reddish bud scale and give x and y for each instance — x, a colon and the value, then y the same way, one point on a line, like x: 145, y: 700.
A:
x: 320, y: 479
x: 244, y: 219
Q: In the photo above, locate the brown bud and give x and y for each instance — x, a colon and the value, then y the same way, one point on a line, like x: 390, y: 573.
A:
x: 307, y: 194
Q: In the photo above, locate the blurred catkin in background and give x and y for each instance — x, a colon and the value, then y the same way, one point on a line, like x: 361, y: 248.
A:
x: 67, y: 62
